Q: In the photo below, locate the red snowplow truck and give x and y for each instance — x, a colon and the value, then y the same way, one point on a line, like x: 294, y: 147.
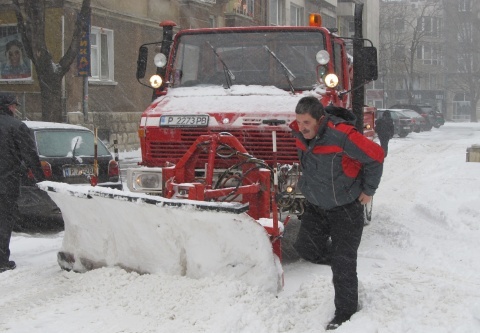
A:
x: 244, y: 81
x: 218, y: 158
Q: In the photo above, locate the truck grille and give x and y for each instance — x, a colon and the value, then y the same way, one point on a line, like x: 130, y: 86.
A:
x: 257, y: 143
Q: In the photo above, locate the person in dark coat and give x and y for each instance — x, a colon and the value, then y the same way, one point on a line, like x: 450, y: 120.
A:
x: 385, y: 130
x: 341, y: 170
x: 17, y: 154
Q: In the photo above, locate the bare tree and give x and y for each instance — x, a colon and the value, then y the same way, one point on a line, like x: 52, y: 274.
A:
x: 31, y: 24
x: 403, y: 30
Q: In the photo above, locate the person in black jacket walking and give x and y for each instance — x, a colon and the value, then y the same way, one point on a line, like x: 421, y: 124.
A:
x: 385, y: 130
x: 17, y: 151
x: 341, y: 169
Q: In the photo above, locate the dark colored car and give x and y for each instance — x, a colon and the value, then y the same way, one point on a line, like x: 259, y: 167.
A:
x: 67, y: 155
x: 432, y: 116
x: 401, y: 123
x: 419, y: 123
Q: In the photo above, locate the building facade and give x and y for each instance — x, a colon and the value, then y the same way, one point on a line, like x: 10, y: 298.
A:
x: 111, y: 99
x: 429, y: 55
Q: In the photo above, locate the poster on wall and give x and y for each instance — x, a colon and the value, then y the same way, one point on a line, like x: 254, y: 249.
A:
x: 14, y: 63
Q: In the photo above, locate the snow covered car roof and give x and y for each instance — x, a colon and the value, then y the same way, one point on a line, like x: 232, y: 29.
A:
x: 52, y: 125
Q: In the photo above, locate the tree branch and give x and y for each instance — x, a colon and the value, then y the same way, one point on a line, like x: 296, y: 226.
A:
x: 27, y: 45
x: 81, y: 27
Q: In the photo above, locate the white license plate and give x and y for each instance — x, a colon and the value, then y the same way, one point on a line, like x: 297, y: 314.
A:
x: 406, y: 127
x: 77, y: 170
x: 184, y: 121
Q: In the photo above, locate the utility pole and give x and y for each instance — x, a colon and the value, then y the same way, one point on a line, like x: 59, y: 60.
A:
x: 358, y: 96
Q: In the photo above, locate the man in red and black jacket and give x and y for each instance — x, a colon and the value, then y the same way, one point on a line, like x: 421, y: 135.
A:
x: 341, y: 169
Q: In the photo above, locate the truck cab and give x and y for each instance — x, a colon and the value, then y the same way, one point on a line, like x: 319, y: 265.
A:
x: 237, y: 80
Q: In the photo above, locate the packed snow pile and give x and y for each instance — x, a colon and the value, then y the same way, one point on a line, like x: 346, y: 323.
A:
x: 150, y: 234
x: 418, y: 267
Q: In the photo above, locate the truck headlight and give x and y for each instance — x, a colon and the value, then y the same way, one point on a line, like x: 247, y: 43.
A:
x: 160, y: 60
x: 331, y: 80
x: 156, y: 81
x: 322, y: 57
x: 148, y: 181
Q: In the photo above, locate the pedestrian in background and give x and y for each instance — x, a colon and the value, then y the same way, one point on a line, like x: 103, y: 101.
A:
x: 341, y: 169
x: 385, y: 129
x: 17, y: 152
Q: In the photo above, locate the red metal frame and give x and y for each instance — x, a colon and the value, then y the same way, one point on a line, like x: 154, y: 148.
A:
x: 255, y: 188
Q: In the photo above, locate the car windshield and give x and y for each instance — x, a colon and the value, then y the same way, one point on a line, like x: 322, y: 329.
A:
x: 247, y: 58
x: 68, y: 143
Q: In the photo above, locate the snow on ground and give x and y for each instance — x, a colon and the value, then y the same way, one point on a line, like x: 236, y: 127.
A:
x: 418, y: 267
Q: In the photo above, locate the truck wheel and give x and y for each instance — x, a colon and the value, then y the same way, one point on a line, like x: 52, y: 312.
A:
x: 402, y: 134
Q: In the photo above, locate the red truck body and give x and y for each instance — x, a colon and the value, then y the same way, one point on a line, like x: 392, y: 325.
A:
x: 237, y: 79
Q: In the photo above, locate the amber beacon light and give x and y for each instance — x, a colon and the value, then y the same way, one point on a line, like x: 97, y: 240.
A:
x: 315, y: 20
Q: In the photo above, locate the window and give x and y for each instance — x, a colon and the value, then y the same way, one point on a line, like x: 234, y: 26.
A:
x: 213, y: 21
x: 399, y: 52
x: 351, y: 26
x: 461, y: 107
x: 431, y: 26
x: 399, y: 25
x: 378, y: 84
x: 430, y: 53
x: 250, y: 7
x: 101, y: 57
x: 55, y: 143
x: 329, y: 21
x: 296, y: 15
x: 465, y: 63
x: 464, y: 5
x: 244, y: 7
x: 464, y: 34
x: 275, y: 10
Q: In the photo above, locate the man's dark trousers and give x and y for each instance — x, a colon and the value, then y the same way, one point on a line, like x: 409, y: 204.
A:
x: 344, y: 225
x: 8, y: 217
x: 384, y: 144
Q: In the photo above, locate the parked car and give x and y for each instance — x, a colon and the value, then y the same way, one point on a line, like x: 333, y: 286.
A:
x: 432, y: 116
x: 420, y: 123
x: 402, y: 124
x: 439, y: 120
x: 67, y: 155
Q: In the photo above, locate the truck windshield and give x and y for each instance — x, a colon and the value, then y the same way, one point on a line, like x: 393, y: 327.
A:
x: 242, y: 58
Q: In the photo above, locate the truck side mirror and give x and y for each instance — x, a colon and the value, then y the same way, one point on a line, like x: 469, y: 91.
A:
x: 369, y: 59
x: 142, y: 62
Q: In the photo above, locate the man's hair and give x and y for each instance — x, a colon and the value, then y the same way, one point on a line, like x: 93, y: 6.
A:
x: 310, y: 105
x: 14, y: 42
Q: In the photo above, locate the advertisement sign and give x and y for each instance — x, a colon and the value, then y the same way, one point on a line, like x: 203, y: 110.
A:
x: 14, y: 63
x: 83, y: 57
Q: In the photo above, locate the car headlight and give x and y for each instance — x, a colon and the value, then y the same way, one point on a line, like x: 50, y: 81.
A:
x: 147, y: 180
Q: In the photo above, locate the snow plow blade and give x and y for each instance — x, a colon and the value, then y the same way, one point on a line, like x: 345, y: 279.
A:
x: 150, y: 234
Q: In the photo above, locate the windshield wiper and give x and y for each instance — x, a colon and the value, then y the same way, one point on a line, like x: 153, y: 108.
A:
x: 75, y: 148
x: 288, y: 73
x: 229, y: 77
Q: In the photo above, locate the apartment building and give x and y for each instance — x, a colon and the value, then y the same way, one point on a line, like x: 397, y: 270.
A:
x: 113, y: 100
